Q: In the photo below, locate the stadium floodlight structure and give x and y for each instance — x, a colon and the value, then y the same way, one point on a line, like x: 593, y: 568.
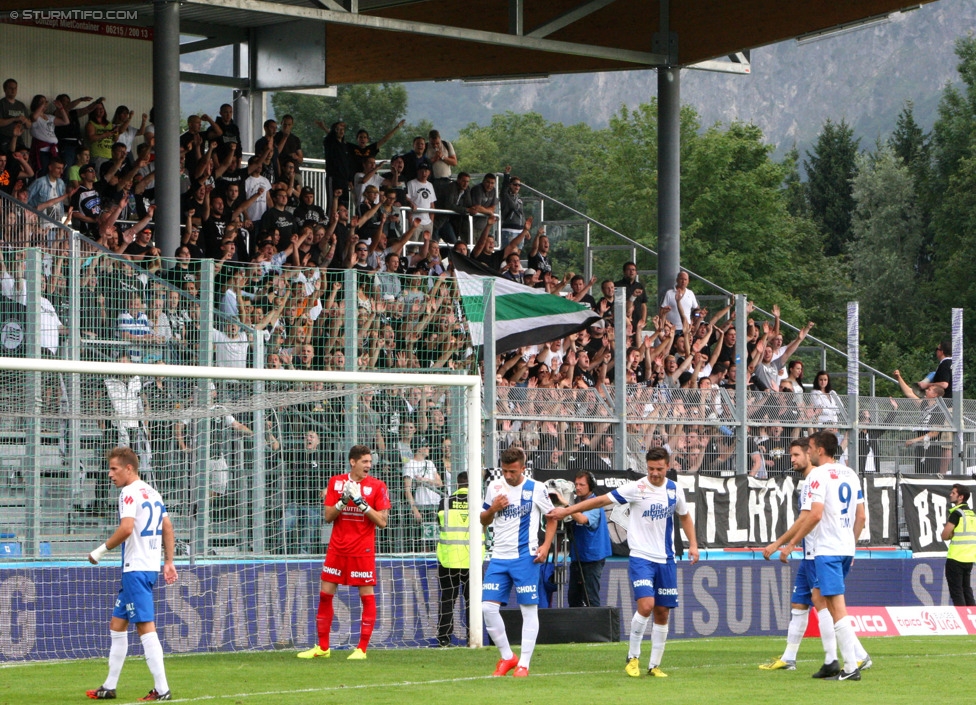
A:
x: 405, y: 555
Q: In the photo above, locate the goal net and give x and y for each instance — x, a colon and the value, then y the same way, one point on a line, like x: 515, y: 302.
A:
x: 241, y: 457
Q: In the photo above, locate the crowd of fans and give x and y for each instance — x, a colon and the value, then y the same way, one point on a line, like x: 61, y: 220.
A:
x: 280, y: 252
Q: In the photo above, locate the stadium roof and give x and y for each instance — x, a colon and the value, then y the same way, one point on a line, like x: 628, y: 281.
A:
x: 508, y: 38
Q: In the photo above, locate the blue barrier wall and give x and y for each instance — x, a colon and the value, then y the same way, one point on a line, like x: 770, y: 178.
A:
x: 63, y: 611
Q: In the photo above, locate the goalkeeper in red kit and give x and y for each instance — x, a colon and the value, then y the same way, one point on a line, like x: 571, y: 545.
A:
x: 357, y: 504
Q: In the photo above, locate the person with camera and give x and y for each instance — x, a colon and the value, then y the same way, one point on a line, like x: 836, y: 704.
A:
x: 590, y: 544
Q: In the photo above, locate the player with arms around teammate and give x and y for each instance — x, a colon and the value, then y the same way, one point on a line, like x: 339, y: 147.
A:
x: 144, y: 532
x: 805, y: 592
x: 358, y: 504
x: 653, y: 500
x: 515, y: 506
x: 832, y: 515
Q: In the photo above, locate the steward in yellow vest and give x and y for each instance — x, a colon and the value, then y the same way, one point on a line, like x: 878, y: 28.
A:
x: 960, y: 529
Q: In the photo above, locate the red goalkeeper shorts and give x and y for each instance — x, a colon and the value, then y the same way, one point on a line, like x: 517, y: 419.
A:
x: 341, y: 569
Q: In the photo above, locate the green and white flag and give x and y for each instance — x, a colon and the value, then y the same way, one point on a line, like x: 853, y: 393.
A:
x: 523, y: 315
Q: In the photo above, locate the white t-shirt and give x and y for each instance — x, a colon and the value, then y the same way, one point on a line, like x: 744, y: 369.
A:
x: 422, y: 196
x: 143, y: 549
x: 688, y: 302
x: 837, y: 487
x: 230, y: 352
x: 517, y: 525
x: 650, y: 533
x: 43, y: 129
x: 423, y: 495
x: 252, y: 185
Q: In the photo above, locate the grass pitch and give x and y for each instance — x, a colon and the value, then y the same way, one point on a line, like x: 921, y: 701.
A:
x: 906, y: 670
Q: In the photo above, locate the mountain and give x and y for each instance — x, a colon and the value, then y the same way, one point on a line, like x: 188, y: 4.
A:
x: 864, y: 76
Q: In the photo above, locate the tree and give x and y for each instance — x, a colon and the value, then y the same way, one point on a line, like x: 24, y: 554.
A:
x: 542, y: 153
x: 796, y: 197
x: 830, y: 168
x: 736, y: 228
x: 956, y: 124
x: 908, y: 141
x: 887, y: 235
x: 375, y: 107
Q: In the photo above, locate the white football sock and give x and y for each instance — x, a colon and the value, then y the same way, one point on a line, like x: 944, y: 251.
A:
x: 846, y: 638
x: 116, y: 658
x: 794, y: 634
x: 638, y: 625
x: 530, y: 632
x: 659, y: 638
x: 827, y: 635
x: 496, y: 628
x: 154, y: 659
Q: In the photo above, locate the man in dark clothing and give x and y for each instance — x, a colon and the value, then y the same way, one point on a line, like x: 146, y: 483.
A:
x: 338, y: 161
x: 943, y: 373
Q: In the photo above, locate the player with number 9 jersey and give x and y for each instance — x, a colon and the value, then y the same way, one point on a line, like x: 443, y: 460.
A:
x: 838, y: 488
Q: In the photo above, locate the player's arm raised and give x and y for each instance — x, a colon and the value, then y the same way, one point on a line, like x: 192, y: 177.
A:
x: 115, y: 540
x: 560, y: 513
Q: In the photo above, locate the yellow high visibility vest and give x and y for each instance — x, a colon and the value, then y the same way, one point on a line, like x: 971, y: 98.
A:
x: 963, y: 545
x: 454, y: 520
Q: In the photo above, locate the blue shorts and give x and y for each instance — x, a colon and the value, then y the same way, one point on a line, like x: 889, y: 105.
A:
x: 135, y: 600
x: 657, y: 580
x: 805, y: 582
x: 830, y: 573
x: 503, y: 573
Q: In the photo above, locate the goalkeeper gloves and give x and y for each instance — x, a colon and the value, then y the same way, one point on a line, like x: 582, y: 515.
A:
x: 357, y: 497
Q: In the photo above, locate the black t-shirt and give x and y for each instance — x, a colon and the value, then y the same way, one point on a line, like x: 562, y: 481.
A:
x: 231, y: 139
x: 281, y: 220
x: 70, y: 134
x: 358, y: 155
x: 943, y: 373
x: 231, y: 176
x: 494, y: 260
x: 540, y: 263
x: 88, y: 202
x: 313, y: 212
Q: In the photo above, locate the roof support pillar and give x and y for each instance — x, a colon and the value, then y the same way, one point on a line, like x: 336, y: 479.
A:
x: 668, y: 178
x: 166, y: 104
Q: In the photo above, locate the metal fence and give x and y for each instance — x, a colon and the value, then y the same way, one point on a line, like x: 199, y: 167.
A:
x: 65, y: 297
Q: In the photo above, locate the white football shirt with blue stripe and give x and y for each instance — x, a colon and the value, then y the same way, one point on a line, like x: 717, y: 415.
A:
x: 800, y: 499
x: 516, y: 527
x: 838, y: 488
x: 143, y: 549
x: 650, y: 533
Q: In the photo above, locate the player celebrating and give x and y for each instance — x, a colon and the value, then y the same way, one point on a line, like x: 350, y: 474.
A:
x: 832, y: 515
x: 358, y: 504
x: 142, y: 521
x: 515, y: 506
x: 653, y: 501
x: 804, y: 591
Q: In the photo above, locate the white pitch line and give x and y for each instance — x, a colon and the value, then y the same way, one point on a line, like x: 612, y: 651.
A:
x: 363, y: 686
x: 441, y: 681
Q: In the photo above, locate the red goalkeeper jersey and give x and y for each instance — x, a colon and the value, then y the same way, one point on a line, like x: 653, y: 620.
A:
x: 353, y: 534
